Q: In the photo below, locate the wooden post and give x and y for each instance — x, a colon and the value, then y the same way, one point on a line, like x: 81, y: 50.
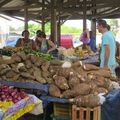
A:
x: 59, y: 24
x: 43, y: 19
x: 93, y: 27
x: 58, y: 31
x: 84, y: 15
x: 74, y: 112
x: 93, y: 21
x: 53, y: 22
x: 43, y: 24
x: 26, y: 18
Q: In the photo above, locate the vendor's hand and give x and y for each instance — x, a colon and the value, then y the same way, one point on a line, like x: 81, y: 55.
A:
x: 48, y: 51
x: 118, y: 57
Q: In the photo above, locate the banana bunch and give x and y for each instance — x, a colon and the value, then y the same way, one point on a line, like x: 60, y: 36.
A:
x: 13, y: 49
x: 80, y: 51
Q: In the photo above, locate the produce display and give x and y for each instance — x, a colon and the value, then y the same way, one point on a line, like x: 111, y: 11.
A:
x: 8, y: 50
x: 11, y: 94
x: 25, y: 68
x: 78, y: 81
x: 78, y: 51
x: 81, y: 83
x: 13, y: 49
x: 84, y: 52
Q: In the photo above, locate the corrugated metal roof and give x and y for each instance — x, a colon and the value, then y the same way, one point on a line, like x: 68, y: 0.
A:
x: 14, y: 3
x: 72, y: 8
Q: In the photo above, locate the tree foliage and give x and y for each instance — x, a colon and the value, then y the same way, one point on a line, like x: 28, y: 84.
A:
x: 64, y: 29
x: 114, y: 25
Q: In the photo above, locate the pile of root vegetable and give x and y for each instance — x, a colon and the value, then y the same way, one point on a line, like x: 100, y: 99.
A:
x: 82, y: 82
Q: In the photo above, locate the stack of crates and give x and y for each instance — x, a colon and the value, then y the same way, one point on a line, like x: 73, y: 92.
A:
x: 62, y: 111
x: 80, y: 113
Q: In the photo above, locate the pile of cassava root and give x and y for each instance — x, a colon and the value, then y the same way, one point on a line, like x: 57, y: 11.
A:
x: 82, y: 82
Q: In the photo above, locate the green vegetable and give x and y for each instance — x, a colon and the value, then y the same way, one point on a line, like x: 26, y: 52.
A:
x: 27, y: 50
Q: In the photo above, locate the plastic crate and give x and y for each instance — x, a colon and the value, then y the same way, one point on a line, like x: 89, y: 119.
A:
x: 60, y: 109
x: 80, y: 113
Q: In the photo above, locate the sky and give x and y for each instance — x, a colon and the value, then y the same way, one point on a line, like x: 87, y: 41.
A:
x: 76, y: 23
x: 72, y: 23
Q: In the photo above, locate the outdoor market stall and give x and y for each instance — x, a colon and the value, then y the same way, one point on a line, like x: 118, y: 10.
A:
x: 79, y: 54
x: 75, y: 82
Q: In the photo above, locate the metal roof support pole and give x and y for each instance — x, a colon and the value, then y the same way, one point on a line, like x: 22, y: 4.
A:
x: 93, y: 21
x: 84, y: 15
x: 93, y: 27
x: 53, y: 22
x: 43, y: 23
x: 59, y: 22
x: 26, y: 18
x: 43, y: 18
x: 58, y: 31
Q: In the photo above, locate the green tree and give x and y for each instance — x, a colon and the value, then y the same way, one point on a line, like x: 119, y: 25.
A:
x: 12, y: 28
x: 114, y: 25
x: 33, y: 28
x: 64, y: 29
x: 47, y: 27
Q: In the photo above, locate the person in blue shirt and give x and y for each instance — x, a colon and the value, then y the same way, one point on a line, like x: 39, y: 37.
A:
x: 108, y: 47
x: 92, y: 42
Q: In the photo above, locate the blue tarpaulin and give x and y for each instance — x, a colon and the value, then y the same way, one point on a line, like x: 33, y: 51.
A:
x: 48, y: 99
x: 53, y: 99
x: 27, y: 85
x: 111, y: 107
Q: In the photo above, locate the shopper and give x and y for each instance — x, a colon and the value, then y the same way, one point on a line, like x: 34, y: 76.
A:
x: 44, y: 45
x: 84, y: 38
x: 25, y: 41
x: 108, y: 47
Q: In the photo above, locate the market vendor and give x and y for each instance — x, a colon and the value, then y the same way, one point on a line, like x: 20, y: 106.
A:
x: 108, y: 47
x: 88, y: 40
x: 44, y: 45
x: 25, y: 41
x: 92, y: 42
